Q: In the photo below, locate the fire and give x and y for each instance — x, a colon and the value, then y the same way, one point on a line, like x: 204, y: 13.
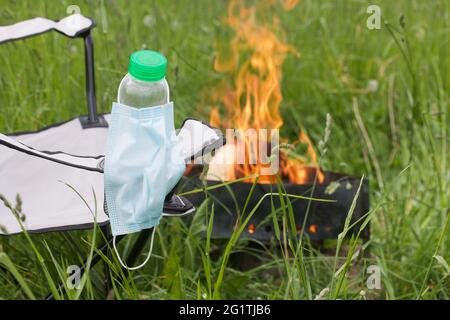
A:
x: 312, y: 228
x: 253, y: 60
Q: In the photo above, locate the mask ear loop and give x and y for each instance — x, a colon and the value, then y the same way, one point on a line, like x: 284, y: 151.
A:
x: 146, y: 259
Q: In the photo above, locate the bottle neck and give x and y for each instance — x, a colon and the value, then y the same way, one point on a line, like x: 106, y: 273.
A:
x: 138, y: 93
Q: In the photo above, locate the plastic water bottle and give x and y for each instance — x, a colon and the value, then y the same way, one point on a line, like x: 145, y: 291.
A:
x: 145, y: 84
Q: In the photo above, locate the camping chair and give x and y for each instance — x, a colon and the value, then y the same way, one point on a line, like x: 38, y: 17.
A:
x: 44, y: 163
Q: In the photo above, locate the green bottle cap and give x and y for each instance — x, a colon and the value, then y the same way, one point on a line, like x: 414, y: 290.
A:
x: 147, y: 65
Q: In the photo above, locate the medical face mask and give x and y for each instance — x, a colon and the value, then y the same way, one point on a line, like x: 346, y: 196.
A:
x: 142, y: 165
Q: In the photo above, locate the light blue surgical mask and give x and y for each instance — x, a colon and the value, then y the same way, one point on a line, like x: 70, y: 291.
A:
x: 142, y: 165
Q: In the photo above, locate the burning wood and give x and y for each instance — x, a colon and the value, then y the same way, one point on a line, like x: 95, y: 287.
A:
x: 249, y: 98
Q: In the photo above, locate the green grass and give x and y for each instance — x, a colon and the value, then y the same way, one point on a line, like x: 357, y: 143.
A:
x: 397, y: 136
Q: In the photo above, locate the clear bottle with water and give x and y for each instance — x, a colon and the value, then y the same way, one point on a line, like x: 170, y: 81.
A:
x: 145, y: 84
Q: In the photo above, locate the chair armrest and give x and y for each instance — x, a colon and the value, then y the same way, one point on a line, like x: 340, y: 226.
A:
x: 72, y: 26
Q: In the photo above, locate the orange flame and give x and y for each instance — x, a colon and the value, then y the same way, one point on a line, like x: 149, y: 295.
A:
x: 251, y: 228
x: 254, y: 59
x: 313, y: 228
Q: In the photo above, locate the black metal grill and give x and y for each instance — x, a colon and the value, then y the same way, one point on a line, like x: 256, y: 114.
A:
x: 324, y: 220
